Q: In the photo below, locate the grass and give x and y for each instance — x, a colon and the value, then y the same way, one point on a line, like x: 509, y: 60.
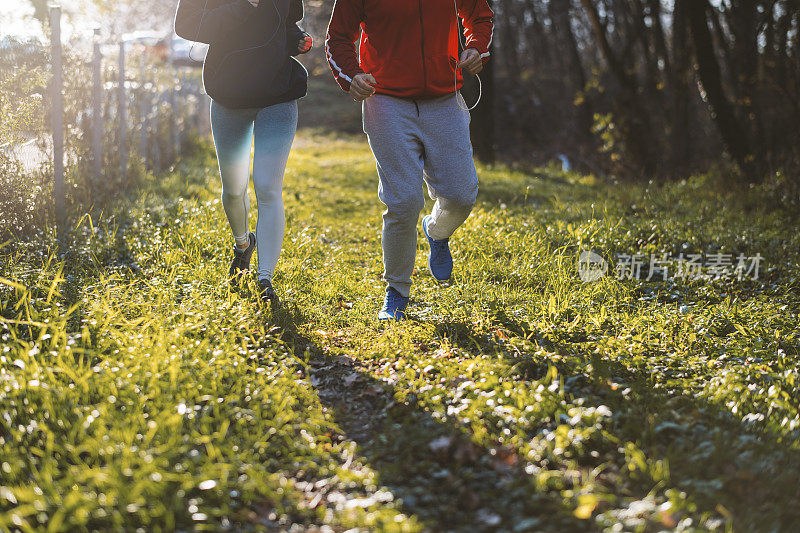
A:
x: 139, y: 392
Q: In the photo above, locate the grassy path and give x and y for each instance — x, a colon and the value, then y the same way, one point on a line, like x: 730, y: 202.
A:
x: 138, y: 391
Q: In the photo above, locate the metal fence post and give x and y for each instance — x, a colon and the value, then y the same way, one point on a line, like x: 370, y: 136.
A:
x: 206, y: 110
x: 57, y: 112
x: 181, y: 107
x: 143, y: 111
x: 197, y: 99
x: 157, y: 127
x: 173, y: 124
x: 97, y: 108
x: 178, y: 121
x: 123, y: 119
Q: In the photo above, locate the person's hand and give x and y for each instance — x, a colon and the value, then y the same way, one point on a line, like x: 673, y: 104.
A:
x: 305, y: 44
x: 471, y: 61
x: 362, y: 87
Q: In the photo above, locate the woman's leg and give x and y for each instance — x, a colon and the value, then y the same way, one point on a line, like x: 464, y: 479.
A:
x: 275, y: 127
x: 232, y: 130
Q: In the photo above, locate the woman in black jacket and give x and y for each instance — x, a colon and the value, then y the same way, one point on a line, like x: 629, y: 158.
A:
x: 254, y: 83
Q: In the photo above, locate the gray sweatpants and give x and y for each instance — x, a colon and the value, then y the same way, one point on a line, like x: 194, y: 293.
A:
x: 416, y: 141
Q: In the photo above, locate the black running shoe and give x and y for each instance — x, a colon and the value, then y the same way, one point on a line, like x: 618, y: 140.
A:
x: 267, y: 293
x: 241, y: 260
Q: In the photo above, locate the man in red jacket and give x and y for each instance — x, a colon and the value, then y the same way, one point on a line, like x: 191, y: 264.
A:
x: 407, y: 73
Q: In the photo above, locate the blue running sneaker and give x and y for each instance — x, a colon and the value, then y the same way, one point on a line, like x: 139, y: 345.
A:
x: 394, y: 306
x: 440, y: 262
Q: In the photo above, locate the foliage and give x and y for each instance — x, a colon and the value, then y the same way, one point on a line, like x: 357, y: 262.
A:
x: 23, y: 75
x: 24, y: 202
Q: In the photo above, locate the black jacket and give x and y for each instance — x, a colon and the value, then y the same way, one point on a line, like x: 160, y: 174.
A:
x: 249, y: 61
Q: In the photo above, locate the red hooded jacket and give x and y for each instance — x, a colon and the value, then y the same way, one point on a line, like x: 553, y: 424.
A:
x: 409, y: 46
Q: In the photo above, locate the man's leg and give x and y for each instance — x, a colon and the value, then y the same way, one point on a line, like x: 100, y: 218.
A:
x: 449, y: 167
x: 393, y: 132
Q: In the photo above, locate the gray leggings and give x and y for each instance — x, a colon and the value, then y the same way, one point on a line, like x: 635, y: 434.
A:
x: 273, y: 129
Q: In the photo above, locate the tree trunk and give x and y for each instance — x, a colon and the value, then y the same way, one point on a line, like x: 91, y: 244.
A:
x: 658, y: 34
x: 710, y: 75
x: 634, y: 118
x: 680, y: 145
x: 482, y: 123
x: 560, y: 16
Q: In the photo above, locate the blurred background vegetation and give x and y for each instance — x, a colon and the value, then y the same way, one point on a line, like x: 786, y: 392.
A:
x: 652, y: 88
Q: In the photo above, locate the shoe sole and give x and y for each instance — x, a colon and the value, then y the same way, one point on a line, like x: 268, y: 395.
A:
x: 392, y: 318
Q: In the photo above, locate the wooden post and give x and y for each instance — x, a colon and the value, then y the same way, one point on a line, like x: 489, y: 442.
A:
x: 57, y: 112
x: 122, y: 115
x: 97, y: 108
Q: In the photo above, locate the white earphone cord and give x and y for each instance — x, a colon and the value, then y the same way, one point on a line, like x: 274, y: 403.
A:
x: 199, y: 26
x: 455, y: 71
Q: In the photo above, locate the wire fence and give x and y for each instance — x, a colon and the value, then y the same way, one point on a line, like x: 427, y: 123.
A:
x: 82, y: 123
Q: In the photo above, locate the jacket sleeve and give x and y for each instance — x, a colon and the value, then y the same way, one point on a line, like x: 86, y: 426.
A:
x: 478, y: 20
x: 194, y: 23
x: 293, y: 32
x: 340, y: 48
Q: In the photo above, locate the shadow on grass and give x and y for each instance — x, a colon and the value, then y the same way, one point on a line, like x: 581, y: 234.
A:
x: 430, y: 464
x: 729, y: 467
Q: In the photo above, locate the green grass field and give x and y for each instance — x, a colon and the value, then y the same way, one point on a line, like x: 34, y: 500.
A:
x: 139, y: 392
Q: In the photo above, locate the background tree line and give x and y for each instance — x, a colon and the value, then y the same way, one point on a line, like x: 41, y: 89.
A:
x: 651, y: 87
x: 646, y: 88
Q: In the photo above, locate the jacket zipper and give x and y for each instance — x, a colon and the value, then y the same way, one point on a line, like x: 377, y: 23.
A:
x: 422, y: 49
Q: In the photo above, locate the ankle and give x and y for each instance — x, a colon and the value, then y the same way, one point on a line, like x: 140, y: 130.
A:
x: 242, y: 243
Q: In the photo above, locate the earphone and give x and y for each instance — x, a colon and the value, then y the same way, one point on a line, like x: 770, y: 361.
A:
x: 199, y: 26
x: 463, y: 106
x: 191, y: 49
